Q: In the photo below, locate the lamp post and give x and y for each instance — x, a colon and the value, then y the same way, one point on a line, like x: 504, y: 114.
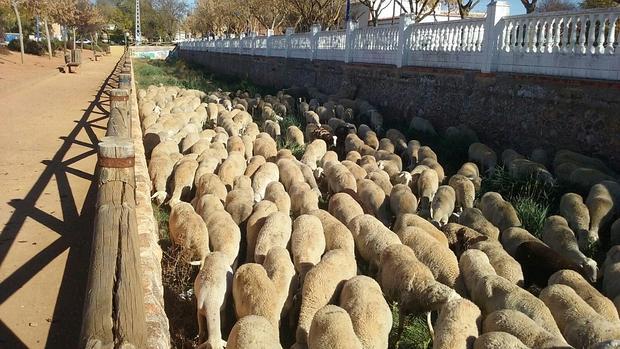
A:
x: 347, y: 12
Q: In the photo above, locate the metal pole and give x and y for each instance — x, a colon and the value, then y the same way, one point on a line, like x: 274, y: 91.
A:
x: 138, y: 36
x: 346, y: 16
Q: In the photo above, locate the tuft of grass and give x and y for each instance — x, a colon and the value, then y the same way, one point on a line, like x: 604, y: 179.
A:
x: 162, y: 215
x: 291, y: 120
x: 532, y: 214
x: 415, y: 333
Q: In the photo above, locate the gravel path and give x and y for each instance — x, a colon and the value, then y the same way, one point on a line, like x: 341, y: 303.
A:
x: 49, y: 126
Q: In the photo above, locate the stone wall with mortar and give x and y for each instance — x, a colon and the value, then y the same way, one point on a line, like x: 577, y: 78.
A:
x: 158, y: 333
x: 506, y: 110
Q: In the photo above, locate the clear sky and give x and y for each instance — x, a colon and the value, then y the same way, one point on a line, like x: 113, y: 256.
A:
x: 516, y: 8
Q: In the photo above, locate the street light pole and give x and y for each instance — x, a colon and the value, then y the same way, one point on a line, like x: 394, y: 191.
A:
x: 348, y: 10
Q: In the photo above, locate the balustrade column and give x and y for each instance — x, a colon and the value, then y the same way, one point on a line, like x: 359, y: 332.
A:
x: 288, y: 33
x: 348, y: 46
x: 492, y: 30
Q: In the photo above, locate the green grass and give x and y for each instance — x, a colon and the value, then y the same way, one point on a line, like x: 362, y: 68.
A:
x: 532, y: 214
x: 415, y: 334
x: 162, y: 215
x: 181, y: 74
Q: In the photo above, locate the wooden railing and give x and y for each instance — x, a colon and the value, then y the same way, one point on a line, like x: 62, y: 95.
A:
x: 114, y: 307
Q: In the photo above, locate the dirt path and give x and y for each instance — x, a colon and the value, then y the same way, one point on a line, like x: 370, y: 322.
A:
x: 49, y: 126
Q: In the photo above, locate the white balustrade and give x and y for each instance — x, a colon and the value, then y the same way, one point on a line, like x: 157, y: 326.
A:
x: 375, y: 45
x: 581, y: 43
x: 331, y: 45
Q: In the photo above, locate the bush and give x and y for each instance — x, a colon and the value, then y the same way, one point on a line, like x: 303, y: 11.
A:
x: 30, y: 46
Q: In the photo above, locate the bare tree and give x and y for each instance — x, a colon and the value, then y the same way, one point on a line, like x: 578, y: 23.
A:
x: 308, y: 12
x: 418, y: 8
x: 530, y: 5
x: 269, y: 13
x: 555, y: 5
x: 375, y: 7
x: 466, y: 6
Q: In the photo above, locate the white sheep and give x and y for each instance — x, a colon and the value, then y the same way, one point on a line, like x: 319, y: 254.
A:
x: 266, y: 174
x: 557, y: 235
x: 303, y: 199
x: 457, y: 326
x: 601, y: 304
x: 492, y: 292
x: 231, y: 168
x: 439, y: 259
x: 281, y: 272
x: 370, y: 314
x: 580, y: 324
x: 374, y: 199
x: 255, y: 223
x: 276, y: 193
x: 465, y: 191
x: 322, y: 286
x: 265, y: 146
x: 577, y: 215
x: 210, y: 183
x: 224, y: 235
x: 483, y: 156
x: 239, y: 200
x: 307, y: 243
x: 183, y: 178
x: 442, y: 205
x: 427, y: 185
x: 602, y: 205
x: 276, y: 231
x: 189, y: 232
x: 470, y: 170
x: 498, y: 340
x: 503, y: 264
x: 254, y: 294
x: 409, y: 219
x: 332, y: 328
x: 402, y: 200
x: 212, y: 286
x: 611, y: 275
x: 403, y: 278
x: 371, y: 238
x: 499, y: 211
x: 519, y: 325
x: 337, y: 235
x: 474, y: 219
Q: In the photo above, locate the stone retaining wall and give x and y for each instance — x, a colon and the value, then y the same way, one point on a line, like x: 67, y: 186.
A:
x: 506, y: 110
x: 158, y: 333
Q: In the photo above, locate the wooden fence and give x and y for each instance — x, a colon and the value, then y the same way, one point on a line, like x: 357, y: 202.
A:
x: 114, y: 307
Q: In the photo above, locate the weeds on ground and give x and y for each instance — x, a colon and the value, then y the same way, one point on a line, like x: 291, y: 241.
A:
x: 178, y: 279
x: 184, y: 75
x: 532, y: 214
x: 415, y: 334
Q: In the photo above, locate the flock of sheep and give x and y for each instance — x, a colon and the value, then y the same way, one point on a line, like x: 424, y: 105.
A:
x: 249, y: 214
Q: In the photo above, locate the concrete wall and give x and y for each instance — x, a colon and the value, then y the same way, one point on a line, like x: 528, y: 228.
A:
x: 506, y: 110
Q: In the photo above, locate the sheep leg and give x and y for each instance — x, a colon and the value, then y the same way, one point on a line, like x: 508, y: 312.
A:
x: 202, y: 330
x: 214, y: 326
x: 430, y: 325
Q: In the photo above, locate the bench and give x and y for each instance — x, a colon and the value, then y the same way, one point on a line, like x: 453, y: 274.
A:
x: 72, y: 62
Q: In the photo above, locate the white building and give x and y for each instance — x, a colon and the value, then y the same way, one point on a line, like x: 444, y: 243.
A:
x: 391, y: 11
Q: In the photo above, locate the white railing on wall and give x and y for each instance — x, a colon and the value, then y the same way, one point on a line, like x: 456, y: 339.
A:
x: 581, y: 43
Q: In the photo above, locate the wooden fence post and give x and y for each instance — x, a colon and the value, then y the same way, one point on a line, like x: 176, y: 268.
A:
x: 118, y: 123
x: 124, y: 81
x: 119, y: 98
x: 114, y: 309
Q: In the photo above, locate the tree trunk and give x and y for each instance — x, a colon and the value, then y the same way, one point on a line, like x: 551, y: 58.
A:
x: 74, y: 34
x: 49, y: 40
x: 19, y: 25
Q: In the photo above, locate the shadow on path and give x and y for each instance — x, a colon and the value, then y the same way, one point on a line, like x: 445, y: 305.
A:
x: 74, y: 230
